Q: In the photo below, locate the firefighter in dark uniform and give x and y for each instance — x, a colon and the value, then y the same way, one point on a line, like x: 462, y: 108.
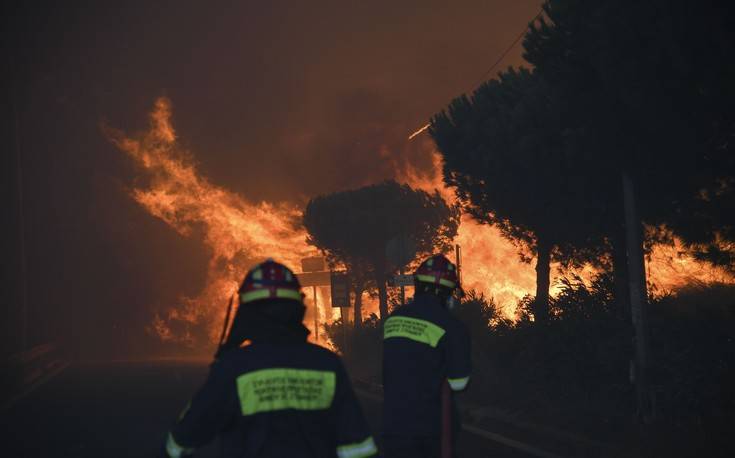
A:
x: 426, y: 357
x: 269, y: 392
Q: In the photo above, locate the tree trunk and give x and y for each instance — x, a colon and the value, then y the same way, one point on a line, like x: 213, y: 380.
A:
x: 380, y: 264
x: 358, y: 306
x: 382, y: 296
x: 638, y: 297
x: 620, y: 272
x: 543, y: 280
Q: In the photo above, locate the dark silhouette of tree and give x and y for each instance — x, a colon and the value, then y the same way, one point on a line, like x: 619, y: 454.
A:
x: 505, y: 153
x: 649, y: 85
x: 353, y: 228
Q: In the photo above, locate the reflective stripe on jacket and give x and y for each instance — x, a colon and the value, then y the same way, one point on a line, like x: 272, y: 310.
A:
x: 424, y: 347
x: 274, y: 400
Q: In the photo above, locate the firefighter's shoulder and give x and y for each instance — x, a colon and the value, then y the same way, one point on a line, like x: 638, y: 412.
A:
x: 300, y: 354
x: 322, y: 353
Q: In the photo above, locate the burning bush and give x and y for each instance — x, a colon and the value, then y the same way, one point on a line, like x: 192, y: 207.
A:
x: 573, y: 370
x: 361, y: 347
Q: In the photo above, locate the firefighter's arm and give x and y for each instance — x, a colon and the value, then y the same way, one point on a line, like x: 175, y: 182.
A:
x: 354, y: 439
x: 459, y: 361
x: 209, y: 411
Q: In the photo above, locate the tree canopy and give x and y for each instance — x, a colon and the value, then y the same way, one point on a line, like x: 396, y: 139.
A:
x: 505, y: 153
x: 650, y: 86
x: 353, y: 228
x: 641, y: 88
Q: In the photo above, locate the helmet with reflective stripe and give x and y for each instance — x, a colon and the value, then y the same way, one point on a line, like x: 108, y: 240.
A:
x: 269, y: 280
x: 437, y: 270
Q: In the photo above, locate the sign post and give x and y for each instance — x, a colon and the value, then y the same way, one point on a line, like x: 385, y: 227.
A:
x: 314, y: 274
x: 316, y: 314
x: 458, y: 262
x: 313, y: 266
x: 340, y: 287
x: 401, y: 250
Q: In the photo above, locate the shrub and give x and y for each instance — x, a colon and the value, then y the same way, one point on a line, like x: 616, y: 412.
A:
x: 361, y: 348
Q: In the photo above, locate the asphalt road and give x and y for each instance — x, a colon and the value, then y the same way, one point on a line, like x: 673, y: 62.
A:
x: 123, y: 409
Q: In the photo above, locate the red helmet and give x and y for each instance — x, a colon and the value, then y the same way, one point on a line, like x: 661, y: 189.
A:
x: 437, y: 270
x: 269, y: 280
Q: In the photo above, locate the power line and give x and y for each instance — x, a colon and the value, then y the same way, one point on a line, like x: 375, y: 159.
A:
x: 487, y: 72
x: 505, y: 53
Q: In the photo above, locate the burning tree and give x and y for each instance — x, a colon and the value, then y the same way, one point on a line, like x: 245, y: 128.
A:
x: 353, y: 228
x: 651, y: 84
x: 641, y: 89
x: 507, y: 158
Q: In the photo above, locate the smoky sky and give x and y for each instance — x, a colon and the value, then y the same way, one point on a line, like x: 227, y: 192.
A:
x: 277, y: 101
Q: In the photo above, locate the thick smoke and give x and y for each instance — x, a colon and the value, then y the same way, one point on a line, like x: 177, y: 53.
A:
x: 279, y: 101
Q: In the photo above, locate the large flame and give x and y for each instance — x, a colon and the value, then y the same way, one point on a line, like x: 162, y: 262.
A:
x: 239, y: 233
x: 670, y: 266
x: 491, y: 264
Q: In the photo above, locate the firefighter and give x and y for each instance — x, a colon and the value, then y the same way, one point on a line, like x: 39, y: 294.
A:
x: 269, y: 392
x: 426, y: 357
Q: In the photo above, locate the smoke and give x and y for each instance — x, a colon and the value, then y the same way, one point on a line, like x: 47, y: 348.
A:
x: 358, y: 141
x: 276, y: 101
x: 236, y: 232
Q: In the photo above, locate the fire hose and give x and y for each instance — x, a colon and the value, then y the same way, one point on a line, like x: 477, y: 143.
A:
x: 446, y: 439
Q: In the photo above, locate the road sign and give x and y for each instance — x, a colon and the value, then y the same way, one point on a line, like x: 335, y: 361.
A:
x: 403, y: 280
x: 314, y: 279
x: 340, y: 283
x: 400, y: 250
x: 313, y: 264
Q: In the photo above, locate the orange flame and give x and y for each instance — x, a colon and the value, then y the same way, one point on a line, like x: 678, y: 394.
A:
x: 240, y: 233
x: 670, y: 267
x: 491, y: 264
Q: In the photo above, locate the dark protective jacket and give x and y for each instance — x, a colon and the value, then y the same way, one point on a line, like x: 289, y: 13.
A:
x: 275, y: 399
x: 424, y: 347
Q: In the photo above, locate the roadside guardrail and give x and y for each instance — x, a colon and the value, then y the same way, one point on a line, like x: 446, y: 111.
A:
x: 25, y: 371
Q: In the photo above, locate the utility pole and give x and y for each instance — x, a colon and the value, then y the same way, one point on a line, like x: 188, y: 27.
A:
x: 343, y: 317
x: 21, y: 227
x: 316, y: 315
x: 458, y: 262
x: 402, y: 270
x: 638, y: 297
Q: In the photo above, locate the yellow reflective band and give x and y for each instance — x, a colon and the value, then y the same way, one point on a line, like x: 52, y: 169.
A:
x: 288, y: 294
x: 267, y: 390
x: 175, y: 450
x: 447, y: 283
x: 265, y: 294
x: 458, y: 384
x: 415, y: 329
x: 358, y: 450
x: 254, y: 295
x: 432, y: 279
